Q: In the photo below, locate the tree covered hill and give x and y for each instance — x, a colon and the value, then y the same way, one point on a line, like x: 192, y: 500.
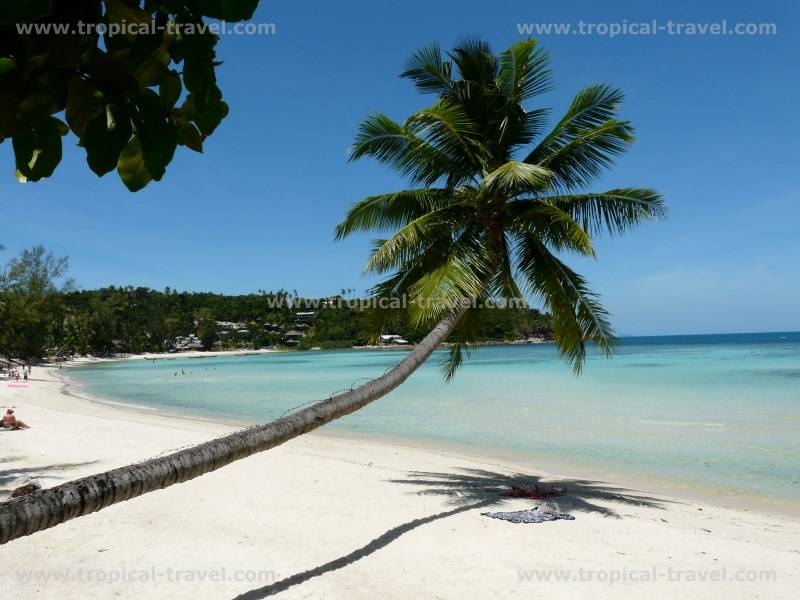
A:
x: 42, y: 313
x: 136, y: 319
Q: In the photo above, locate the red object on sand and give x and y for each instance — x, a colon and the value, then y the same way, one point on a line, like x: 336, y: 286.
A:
x: 533, y: 492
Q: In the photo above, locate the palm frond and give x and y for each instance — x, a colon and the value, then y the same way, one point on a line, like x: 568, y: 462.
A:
x: 475, y: 61
x: 448, y: 129
x: 416, y: 264
x: 393, y: 286
x: 454, y: 358
x: 577, y: 315
x: 437, y: 293
x: 524, y: 72
x: 434, y: 281
x: 392, y: 144
x: 463, y: 273
x: 428, y: 71
x: 615, y: 211
x: 554, y: 226
x: 503, y: 286
x: 590, y: 107
x: 514, y: 178
x: 519, y: 127
x: 583, y: 159
x: 586, y: 139
x: 385, y: 211
x: 410, y: 241
x: 463, y: 341
x: 379, y: 320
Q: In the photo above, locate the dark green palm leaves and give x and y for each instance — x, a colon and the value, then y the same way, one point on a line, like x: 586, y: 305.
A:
x: 496, y: 200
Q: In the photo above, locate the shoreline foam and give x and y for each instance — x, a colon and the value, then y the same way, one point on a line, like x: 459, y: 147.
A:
x: 345, y: 518
x: 668, y: 488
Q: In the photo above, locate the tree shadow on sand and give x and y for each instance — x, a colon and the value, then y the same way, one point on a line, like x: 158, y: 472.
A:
x: 470, y: 489
x: 468, y: 486
x: 379, y: 542
x: 10, y: 475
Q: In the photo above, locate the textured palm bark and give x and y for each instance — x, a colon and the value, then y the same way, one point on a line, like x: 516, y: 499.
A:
x: 48, y: 508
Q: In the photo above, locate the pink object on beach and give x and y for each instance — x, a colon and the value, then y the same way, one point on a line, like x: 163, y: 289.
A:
x: 17, y: 385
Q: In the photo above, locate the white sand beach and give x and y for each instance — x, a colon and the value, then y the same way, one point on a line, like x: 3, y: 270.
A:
x: 328, y: 517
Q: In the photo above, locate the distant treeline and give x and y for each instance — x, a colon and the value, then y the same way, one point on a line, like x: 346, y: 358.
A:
x: 132, y: 320
x: 42, y: 314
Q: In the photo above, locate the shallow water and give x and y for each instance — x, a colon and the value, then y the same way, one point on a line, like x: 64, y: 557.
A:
x: 717, y: 413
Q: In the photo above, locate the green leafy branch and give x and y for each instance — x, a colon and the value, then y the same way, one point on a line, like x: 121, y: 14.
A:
x: 131, y: 98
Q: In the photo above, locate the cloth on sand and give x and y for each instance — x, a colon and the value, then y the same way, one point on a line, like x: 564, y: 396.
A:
x: 529, y: 516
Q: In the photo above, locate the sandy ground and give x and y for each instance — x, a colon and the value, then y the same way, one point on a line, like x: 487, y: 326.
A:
x: 325, y: 517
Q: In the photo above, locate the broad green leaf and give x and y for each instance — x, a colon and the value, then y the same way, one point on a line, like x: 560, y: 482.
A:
x: 38, y: 151
x: 68, y: 52
x: 112, y: 71
x: 154, y: 70
x: 188, y: 135
x: 10, y: 122
x: 198, y: 61
x: 81, y: 105
x: 44, y: 100
x: 80, y: 75
x: 131, y: 167
x: 208, y: 116
x: 63, y: 128
x: 157, y: 135
x: 170, y: 90
x: 200, y: 80
x: 106, y: 136
x: 6, y: 64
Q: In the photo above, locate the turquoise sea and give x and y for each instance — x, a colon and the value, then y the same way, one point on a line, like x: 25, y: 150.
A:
x: 714, y: 413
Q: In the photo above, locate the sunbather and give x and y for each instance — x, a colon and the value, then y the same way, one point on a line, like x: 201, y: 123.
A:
x: 12, y: 422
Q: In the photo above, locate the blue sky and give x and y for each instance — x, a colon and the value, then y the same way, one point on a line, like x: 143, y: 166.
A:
x: 717, y: 133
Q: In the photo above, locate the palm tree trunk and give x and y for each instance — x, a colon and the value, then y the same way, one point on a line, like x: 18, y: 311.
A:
x: 48, y: 508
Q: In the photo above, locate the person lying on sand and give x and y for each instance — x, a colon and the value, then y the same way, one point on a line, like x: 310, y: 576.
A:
x: 12, y: 422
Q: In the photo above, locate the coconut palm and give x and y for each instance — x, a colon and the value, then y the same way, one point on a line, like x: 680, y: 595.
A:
x: 502, y: 208
x: 495, y: 202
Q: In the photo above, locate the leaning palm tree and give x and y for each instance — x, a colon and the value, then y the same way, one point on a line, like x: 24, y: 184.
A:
x: 495, y: 203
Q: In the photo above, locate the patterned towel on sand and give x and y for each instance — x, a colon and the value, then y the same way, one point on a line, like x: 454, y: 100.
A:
x: 529, y: 516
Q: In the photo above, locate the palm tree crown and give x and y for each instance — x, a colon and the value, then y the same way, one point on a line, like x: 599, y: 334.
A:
x: 496, y: 200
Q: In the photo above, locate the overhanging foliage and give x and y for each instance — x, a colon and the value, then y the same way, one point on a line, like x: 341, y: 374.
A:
x: 131, y: 98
